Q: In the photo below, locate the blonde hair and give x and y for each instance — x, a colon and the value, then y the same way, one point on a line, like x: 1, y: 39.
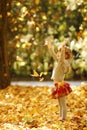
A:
x: 68, y: 53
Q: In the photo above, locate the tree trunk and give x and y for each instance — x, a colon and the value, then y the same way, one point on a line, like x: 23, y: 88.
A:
x: 4, y: 62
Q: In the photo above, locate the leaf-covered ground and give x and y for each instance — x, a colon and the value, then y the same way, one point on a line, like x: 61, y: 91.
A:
x: 32, y: 108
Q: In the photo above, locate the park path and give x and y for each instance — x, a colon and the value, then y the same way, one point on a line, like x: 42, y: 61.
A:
x: 45, y: 83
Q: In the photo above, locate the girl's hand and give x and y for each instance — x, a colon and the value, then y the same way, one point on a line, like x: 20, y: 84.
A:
x: 48, y: 44
x: 66, y: 41
x: 63, y: 48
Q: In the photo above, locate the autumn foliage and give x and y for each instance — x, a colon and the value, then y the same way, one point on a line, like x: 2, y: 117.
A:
x: 33, y: 108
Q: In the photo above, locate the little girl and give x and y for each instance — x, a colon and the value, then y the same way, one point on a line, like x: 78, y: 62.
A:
x: 61, y: 67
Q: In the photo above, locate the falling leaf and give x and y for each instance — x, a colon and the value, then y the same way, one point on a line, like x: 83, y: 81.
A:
x: 43, y: 73
x: 0, y: 16
x: 35, y: 74
x: 41, y: 79
x: 18, y: 58
x: 37, y: 2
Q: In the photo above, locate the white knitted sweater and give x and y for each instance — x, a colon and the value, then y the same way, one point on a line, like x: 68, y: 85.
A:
x: 60, y: 67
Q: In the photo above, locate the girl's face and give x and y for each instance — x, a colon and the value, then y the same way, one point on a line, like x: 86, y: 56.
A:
x: 67, y: 53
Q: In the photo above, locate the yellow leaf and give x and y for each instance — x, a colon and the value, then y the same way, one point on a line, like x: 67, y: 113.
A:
x: 41, y: 79
x: 0, y: 16
x: 43, y: 73
x: 37, y: 2
x: 35, y: 74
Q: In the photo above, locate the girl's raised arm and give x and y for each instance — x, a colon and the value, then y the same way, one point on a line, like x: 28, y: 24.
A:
x: 62, y: 54
x: 51, y: 50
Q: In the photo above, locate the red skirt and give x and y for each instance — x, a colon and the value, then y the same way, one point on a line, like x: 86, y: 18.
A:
x: 61, y: 89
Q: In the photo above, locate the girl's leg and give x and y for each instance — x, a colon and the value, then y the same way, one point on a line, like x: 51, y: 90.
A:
x: 60, y: 107
x: 63, y: 107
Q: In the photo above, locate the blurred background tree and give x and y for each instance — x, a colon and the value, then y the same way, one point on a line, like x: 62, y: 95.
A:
x: 4, y: 62
x: 30, y: 22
